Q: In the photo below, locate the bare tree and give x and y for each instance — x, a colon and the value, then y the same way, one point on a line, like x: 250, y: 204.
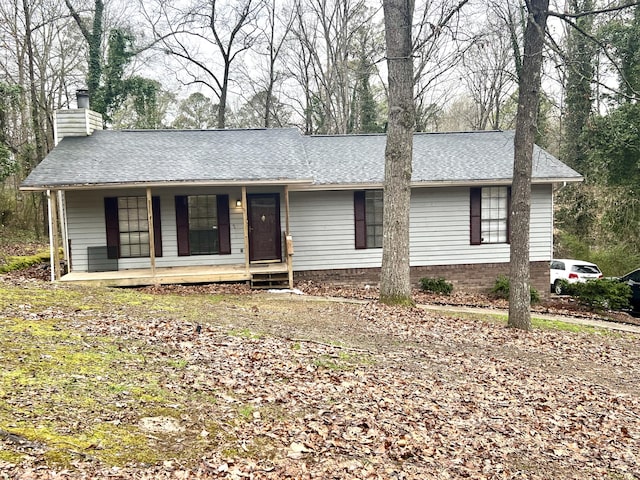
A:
x: 438, y: 43
x: 526, y: 129
x: 38, y: 62
x: 227, y: 28
x: 267, y: 72
x: 41, y: 59
x: 395, y: 285
x: 526, y: 124
x: 488, y: 72
x: 326, y: 34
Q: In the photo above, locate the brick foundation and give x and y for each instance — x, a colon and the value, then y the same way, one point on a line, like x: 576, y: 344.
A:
x: 470, y: 277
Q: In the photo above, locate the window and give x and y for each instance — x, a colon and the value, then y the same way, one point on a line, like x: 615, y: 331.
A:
x: 368, y: 206
x: 490, y: 215
x: 127, y: 225
x: 134, y: 227
x: 202, y: 223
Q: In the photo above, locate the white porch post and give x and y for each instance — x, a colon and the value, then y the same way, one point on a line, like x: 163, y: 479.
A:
x: 54, y: 242
x: 245, y: 223
x: 152, y: 240
x: 64, y: 230
x: 288, y: 241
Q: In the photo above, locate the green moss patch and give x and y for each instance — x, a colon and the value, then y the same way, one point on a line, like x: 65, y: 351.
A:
x: 81, y: 396
x: 26, y: 261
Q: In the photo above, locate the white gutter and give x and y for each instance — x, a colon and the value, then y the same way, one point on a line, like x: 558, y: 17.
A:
x: 197, y: 183
x: 447, y: 183
x: 297, y: 185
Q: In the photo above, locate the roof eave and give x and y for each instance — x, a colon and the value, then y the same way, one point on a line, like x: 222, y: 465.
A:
x: 433, y: 183
x: 190, y: 183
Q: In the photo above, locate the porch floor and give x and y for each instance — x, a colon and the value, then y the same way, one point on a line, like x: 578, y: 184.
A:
x: 174, y: 275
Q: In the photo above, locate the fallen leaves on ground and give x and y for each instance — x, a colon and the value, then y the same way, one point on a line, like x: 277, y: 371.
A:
x: 325, y: 390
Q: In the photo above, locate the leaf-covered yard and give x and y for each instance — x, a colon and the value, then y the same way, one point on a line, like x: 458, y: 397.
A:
x: 124, y: 384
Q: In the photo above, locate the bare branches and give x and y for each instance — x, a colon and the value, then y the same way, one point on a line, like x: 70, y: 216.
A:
x: 571, y: 20
x: 567, y: 15
x: 81, y: 24
x: 229, y: 27
x: 435, y: 30
x: 330, y: 37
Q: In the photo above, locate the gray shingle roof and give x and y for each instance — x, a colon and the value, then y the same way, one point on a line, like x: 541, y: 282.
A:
x: 437, y: 157
x: 155, y: 156
x: 278, y: 155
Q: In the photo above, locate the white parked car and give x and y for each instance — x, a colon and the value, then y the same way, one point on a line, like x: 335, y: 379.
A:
x: 572, y: 271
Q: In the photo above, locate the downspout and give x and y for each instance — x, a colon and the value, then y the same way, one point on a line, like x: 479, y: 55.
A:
x: 564, y: 184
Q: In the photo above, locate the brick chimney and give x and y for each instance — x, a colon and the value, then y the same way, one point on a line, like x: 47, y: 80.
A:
x: 78, y: 122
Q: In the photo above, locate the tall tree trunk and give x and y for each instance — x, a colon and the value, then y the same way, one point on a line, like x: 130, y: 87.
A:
x: 526, y: 125
x: 580, y: 73
x: 222, y: 105
x: 33, y: 91
x: 93, y: 38
x: 395, y: 283
x: 95, y: 52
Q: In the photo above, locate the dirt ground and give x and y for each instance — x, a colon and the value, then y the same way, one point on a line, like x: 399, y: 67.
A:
x: 221, y: 382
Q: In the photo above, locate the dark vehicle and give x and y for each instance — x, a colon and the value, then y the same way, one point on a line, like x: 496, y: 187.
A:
x: 633, y: 280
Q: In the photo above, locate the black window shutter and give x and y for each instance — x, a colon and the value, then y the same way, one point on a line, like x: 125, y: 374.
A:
x: 157, y: 227
x: 182, y: 225
x: 509, y: 215
x: 360, y: 219
x: 224, y: 227
x: 476, y: 216
x: 113, y: 229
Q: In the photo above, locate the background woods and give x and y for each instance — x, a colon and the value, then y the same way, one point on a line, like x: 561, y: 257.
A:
x: 320, y: 65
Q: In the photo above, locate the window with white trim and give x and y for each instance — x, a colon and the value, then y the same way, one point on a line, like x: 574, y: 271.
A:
x: 133, y: 223
x: 489, y: 215
x: 368, y: 207
x: 494, y: 214
x: 203, y: 224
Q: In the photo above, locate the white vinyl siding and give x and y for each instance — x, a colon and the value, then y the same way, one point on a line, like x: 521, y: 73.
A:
x: 322, y: 226
x: 86, y: 222
x: 323, y: 230
x: 440, y: 226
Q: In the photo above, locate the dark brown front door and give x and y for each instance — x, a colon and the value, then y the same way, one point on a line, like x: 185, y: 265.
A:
x: 263, y: 212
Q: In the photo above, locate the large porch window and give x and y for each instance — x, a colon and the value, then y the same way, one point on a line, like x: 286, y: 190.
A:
x: 127, y: 225
x: 134, y: 227
x: 202, y: 223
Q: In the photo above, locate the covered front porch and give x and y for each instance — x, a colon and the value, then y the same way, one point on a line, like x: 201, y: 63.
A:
x: 259, y: 252
x: 263, y: 275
